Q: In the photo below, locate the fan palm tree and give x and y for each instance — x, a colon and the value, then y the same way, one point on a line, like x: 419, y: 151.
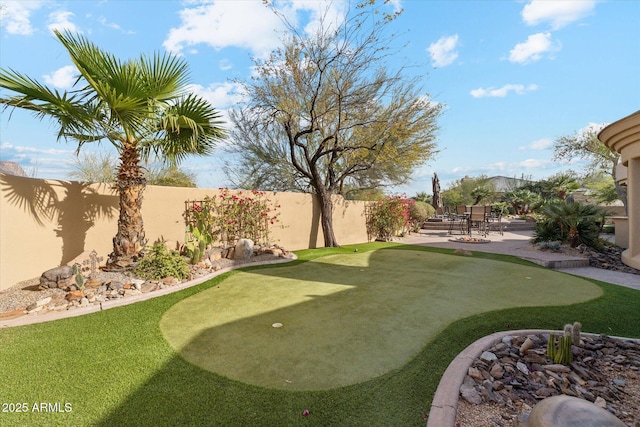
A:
x: 141, y: 106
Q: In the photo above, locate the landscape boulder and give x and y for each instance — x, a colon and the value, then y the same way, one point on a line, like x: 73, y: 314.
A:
x: 243, y: 249
x: 58, y: 277
x: 570, y: 411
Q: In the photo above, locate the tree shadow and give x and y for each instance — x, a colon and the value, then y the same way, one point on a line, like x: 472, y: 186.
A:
x: 390, y: 309
x: 75, y: 210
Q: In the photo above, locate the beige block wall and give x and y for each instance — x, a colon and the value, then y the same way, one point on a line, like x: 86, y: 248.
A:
x: 47, y: 223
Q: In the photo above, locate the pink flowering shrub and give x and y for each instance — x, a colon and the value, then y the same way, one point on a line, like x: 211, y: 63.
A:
x: 232, y: 216
x: 389, y: 217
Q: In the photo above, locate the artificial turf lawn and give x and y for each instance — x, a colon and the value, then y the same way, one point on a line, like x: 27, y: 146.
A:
x: 116, y: 369
x: 348, y: 318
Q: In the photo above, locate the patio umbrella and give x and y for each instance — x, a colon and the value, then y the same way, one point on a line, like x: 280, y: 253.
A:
x: 435, y: 184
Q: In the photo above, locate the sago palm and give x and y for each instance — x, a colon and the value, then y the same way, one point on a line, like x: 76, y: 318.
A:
x: 141, y: 106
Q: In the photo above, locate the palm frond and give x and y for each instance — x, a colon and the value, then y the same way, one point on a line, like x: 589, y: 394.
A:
x: 191, y: 126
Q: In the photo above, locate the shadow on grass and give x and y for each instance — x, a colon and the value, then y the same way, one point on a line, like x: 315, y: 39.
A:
x: 180, y: 393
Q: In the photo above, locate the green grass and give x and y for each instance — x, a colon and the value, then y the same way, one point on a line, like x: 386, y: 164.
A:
x: 115, y: 367
x: 348, y: 318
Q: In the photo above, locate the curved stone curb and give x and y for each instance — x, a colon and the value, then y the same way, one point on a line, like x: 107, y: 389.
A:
x: 445, y: 400
x: 28, y: 320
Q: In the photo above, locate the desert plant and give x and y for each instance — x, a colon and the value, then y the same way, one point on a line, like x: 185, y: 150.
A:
x: 79, y: 278
x: 522, y: 201
x: 575, y: 333
x: 159, y: 263
x: 419, y: 212
x: 560, y: 351
x: 196, y: 241
x: 142, y: 106
x: 574, y: 223
x: 551, y: 245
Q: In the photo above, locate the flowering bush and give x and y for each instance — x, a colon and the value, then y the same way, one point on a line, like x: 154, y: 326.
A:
x: 231, y: 216
x: 389, y: 217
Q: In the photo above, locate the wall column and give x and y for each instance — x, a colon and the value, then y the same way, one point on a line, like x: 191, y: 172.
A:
x: 631, y: 256
x: 623, y: 137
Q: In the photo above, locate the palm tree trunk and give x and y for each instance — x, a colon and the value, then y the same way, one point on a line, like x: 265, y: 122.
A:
x: 130, y: 239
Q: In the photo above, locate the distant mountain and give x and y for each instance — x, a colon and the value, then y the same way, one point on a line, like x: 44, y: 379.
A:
x: 11, y: 168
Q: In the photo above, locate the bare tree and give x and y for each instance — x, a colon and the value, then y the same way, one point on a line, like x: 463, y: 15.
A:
x: 586, y: 145
x: 326, y: 112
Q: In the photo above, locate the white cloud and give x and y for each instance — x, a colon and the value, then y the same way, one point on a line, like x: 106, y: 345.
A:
x: 558, y: 13
x: 515, y: 168
x: 61, y: 21
x: 591, y: 129
x: 220, y: 95
x: 62, y: 78
x: 15, y: 16
x: 247, y: 24
x: 443, y: 51
x: 534, y: 163
x: 22, y: 149
x: 539, y: 144
x: 503, y: 91
x: 533, y: 49
x: 218, y: 25
x: 225, y: 64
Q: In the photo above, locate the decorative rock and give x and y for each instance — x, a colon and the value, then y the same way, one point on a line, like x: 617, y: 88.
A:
x: 58, y: 277
x: 522, y: 368
x: 474, y: 373
x: 461, y: 251
x: 74, y: 296
x: 43, y: 301
x: 488, y: 356
x: 137, y: 283
x: 497, y: 371
x: 214, y: 254
x: 115, y: 285
x: 34, y: 310
x: 243, y: 249
x: 557, y: 368
x: 507, y: 340
x: 170, y: 281
x: 470, y: 394
x: 149, y: 287
x: 570, y: 411
x: 526, y: 345
x: 600, y: 402
x: 230, y: 253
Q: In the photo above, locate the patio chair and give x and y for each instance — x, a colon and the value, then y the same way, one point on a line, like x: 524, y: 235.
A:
x: 478, y: 220
x: 495, y: 221
x: 459, y: 219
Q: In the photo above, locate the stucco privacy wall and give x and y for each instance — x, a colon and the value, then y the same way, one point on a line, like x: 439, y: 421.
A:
x: 45, y: 223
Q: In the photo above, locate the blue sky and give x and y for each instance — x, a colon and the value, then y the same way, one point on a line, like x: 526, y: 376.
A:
x: 512, y: 75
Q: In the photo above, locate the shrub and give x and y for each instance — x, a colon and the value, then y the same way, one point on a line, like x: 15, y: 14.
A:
x: 573, y: 223
x: 231, y: 216
x: 159, y: 263
x: 389, y: 217
x: 419, y: 212
x: 522, y: 201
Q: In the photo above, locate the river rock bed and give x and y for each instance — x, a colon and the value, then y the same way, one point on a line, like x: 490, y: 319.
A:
x: 504, y: 383
x: 29, y: 298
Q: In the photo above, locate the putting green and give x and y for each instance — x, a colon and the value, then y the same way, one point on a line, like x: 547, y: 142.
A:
x: 348, y: 318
